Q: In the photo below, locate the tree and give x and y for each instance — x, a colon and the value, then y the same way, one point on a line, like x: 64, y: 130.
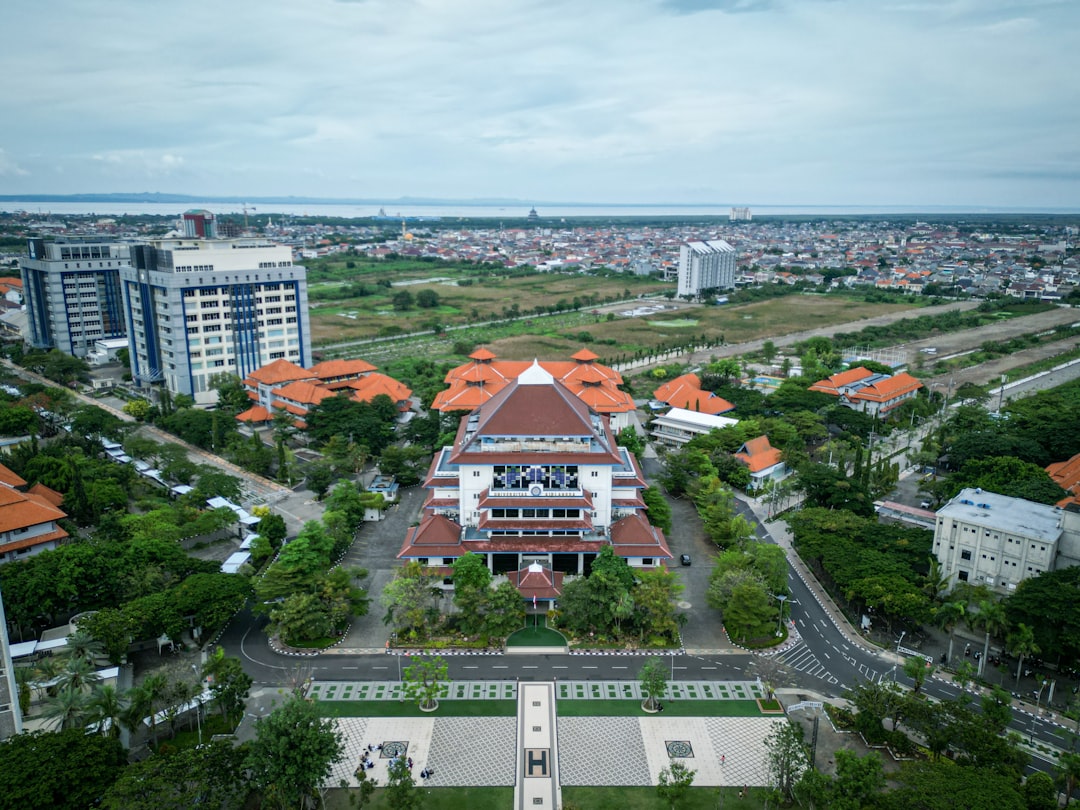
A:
x: 654, y: 681
x: 657, y: 509
x: 320, y: 476
x: 991, y: 618
x: 402, y: 300
x: 917, y: 669
x: 472, y: 590
x: 293, y: 752
x: 66, y: 770
x: 1067, y: 769
x: 401, y: 792
x: 106, y: 709
x: 749, y: 611
x: 232, y: 397
x: 1021, y: 643
x: 943, y: 786
x: 1039, y: 792
x: 211, y: 775
x: 407, y: 598
x: 768, y: 351
x: 674, y: 783
x: 947, y: 616
x: 229, y: 684
x: 424, y: 680
x: 786, y: 757
x: 506, y: 611
x: 427, y: 299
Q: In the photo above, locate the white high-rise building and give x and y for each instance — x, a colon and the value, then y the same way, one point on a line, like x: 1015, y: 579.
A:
x: 199, y: 307
x: 71, y: 288
x: 10, y: 711
x: 706, y: 266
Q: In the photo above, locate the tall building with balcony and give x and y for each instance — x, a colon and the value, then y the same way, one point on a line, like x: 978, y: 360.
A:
x: 197, y: 308
x: 706, y: 266
x: 71, y: 290
x: 534, y: 482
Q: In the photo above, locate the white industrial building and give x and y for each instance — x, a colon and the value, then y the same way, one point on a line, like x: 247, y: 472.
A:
x: 995, y: 540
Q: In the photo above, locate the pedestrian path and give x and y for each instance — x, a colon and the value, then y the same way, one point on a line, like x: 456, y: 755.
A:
x: 537, y: 752
x: 565, y: 690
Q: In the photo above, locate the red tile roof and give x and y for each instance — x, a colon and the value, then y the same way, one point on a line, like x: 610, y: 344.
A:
x: 1066, y: 474
x: 256, y: 413
x: 539, y: 584
x: 331, y: 369
x: 9, y: 477
x: 890, y: 389
x: 20, y: 510
x: 758, y: 454
x: 837, y: 381
x: 277, y: 372
x: 685, y: 392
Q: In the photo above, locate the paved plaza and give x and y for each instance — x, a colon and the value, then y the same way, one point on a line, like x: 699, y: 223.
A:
x: 482, y: 751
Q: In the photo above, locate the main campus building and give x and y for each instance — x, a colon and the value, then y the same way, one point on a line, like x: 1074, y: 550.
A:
x: 535, y: 479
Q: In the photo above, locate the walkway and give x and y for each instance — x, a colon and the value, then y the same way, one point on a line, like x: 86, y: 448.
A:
x: 491, y: 751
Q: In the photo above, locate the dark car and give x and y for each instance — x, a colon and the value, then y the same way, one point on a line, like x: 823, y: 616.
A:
x: 684, y: 559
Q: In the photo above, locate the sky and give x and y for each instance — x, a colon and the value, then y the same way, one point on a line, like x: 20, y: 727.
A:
x: 730, y: 102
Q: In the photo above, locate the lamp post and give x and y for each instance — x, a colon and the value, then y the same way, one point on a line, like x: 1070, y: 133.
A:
x: 198, y: 704
x: 1038, y: 698
x: 898, y: 643
x: 781, y: 598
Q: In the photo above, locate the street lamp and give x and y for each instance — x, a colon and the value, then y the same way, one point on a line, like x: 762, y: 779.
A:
x: 198, y: 704
x: 780, y: 616
x: 898, y: 643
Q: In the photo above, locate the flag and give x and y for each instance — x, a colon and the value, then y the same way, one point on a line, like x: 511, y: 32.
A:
x: 534, y: 601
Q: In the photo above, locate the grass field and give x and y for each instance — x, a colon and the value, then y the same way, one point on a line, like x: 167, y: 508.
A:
x: 540, y: 636
x: 583, y: 798
x: 408, y: 708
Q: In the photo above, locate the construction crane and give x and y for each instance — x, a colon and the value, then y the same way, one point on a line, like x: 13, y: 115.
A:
x: 246, y: 209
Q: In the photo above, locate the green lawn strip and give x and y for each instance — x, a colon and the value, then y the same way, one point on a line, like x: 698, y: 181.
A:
x: 408, y: 708
x: 646, y: 798
x: 672, y: 708
x: 445, y: 798
x: 536, y: 637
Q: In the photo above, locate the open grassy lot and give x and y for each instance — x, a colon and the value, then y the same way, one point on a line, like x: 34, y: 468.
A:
x: 335, y: 318
x: 737, y: 324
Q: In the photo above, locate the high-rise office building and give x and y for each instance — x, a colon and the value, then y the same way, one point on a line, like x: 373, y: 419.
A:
x: 71, y: 288
x: 197, y: 308
x: 10, y: 711
x: 706, y: 266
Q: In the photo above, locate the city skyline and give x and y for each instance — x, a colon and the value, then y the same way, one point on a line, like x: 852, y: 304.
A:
x: 760, y: 102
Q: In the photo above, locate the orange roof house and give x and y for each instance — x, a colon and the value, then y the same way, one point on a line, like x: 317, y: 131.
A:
x: 764, y: 461
x: 472, y: 384
x: 1066, y: 474
x: 685, y: 392
x: 863, y: 390
x: 28, y: 520
x: 285, y: 386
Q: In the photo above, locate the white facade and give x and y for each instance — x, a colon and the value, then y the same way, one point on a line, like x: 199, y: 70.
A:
x: 678, y: 426
x: 989, y: 539
x: 197, y: 308
x: 706, y: 266
x: 72, y: 292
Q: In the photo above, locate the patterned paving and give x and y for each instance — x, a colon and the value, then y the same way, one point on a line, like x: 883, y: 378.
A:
x: 481, y: 751
x: 602, y: 751
x: 473, y: 751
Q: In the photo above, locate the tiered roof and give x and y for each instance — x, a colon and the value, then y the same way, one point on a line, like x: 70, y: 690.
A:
x: 685, y: 392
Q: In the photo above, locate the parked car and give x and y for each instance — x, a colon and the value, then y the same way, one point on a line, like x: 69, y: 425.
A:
x: 684, y: 559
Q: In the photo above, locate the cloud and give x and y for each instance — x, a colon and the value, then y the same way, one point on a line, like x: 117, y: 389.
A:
x: 9, y: 168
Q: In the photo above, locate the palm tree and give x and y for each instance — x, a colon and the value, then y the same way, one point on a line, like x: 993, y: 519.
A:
x: 67, y: 709
x: 991, y: 618
x: 138, y: 707
x: 81, y: 644
x: 1021, y: 643
x: 78, y: 675
x: 1068, y: 773
x: 107, y: 709
x: 45, y: 672
x: 947, y: 616
x: 155, y: 687
x: 936, y: 581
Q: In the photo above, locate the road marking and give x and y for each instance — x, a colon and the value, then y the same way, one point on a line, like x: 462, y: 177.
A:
x: 470, y: 667
x: 529, y: 667
x: 620, y: 667
x: 494, y: 667
x: 380, y: 667
x: 590, y: 667
x: 710, y: 667
x: 560, y: 667
x: 826, y: 655
x: 350, y: 667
